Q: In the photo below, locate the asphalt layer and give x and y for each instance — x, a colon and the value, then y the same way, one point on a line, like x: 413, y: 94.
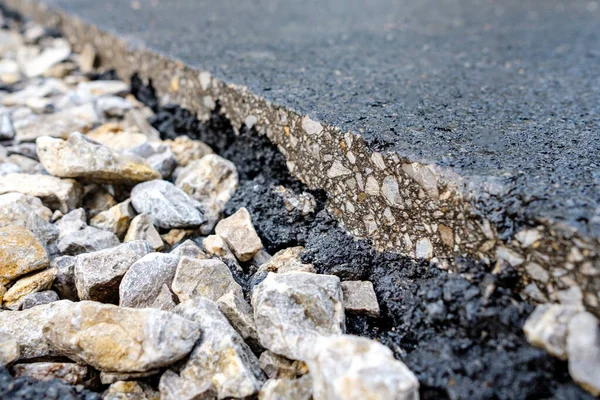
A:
x: 506, y: 93
x: 459, y: 331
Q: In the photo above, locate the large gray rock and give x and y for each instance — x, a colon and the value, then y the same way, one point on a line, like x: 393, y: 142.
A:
x: 55, y: 193
x: 143, y: 282
x: 141, y: 228
x: 87, y: 240
x: 80, y: 157
x: 159, y: 156
x: 21, y: 252
x: 98, y: 274
x: 15, y: 209
x: 353, y: 368
x: 239, y: 234
x: 211, y: 180
x: 221, y: 357
x: 119, y: 339
x: 583, y: 348
x: 210, y: 279
x: 26, y: 327
x: 291, y: 310
x: 547, y: 327
x: 45, y: 231
x: 168, y: 206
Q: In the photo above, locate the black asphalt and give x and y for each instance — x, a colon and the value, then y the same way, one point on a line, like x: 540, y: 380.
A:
x: 506, y: 92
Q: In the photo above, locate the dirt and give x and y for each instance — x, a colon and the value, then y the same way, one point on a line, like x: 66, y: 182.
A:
x: 459, y: 331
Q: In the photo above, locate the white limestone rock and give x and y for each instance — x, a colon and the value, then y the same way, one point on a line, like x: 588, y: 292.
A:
x: 209, y: 278
x: 55, y: 193
x: 291, y: 310
x: 168, y: 206
x: 548, y: 325
x: 353, y: 368
x: 120, y: 339
x: 15, y: 209
x: 82, y: 158
x: 583, y: 348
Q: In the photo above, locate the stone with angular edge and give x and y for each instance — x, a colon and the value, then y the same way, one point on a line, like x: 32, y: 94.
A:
x: 82, y: 158
x: 221, y: 357
x: 38, y: 298
x: 168, y: 206
x: 71, y: 373
x: 87, y: 240
x: 240, y: 315
x: 287, y: 260
x: 71, y: 222
x: 187, y: 150
x: 211, y: 180
x: 292, y: 309
x: 64, y: 281
x: 304, y: 202
x: 113, y: 106
x: 29, y: 284
x: 26, y: 328
x: 60, y: 124
x: 210, y: 279
x: 353, y: 368
x: 287, y: 389
x: 175, y: 236
x: 99, y: 274
x: 21, y: 252
x: 26, y: 164
x: 189, y: 249
x: 239, y: 234
x: 548, y: 325
x: 141, y: 228
x: 360, y: 298
x: 55, y: 193
x: 116, y: 219
x: 119, y: 339
x: 172, y: 387
x: 15, y: 209
x: 9, y: 350
x: 143, y: 282
x: 583, y: 348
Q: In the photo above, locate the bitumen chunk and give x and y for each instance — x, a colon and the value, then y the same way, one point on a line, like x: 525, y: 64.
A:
x: 436, y: 129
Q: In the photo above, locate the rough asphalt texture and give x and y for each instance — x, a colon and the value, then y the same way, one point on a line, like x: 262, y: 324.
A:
x: 508, y: 90
x: 461, y: 333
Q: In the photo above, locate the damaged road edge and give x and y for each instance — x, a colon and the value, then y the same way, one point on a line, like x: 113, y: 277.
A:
x: 419, y: 210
